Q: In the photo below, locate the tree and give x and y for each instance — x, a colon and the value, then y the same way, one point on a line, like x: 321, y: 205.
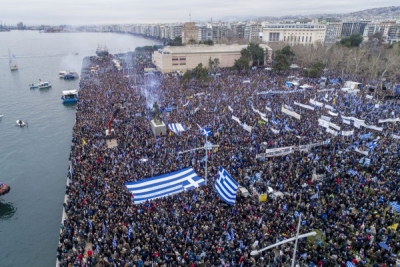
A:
x: 207, y: 42
x: 353, y: 40
x: 192, y: 41
x: 176, y: 42
x: 200, y: 73
x: 280, y: 61
x: 241, y: 64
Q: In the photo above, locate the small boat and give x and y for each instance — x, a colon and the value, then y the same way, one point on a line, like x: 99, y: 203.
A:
x: 21, y: 123
x: 4, y: 189
x: 44, y: 85
x: 33, y: 86
x: 1, y: 115
x: 13, y: 65
x: 71, y: 75
x: 62, y: 74
x: 69, y: 96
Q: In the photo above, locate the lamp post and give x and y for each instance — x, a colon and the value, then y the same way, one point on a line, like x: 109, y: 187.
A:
x: 207, y: 147
x: 256, y: 252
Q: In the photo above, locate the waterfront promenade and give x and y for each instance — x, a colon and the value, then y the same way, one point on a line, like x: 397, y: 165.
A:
x: 351, y: 211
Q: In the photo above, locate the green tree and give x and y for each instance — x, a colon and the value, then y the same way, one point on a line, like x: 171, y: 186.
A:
x: 257, y: 53
x: 200, y: 73
x: 176, y: 42
x: 192, y: 41
x: 280, y: 62
x: 241, y: 64
x: 353, y: 40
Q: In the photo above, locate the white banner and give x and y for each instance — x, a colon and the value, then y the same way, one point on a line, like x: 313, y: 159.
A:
x: 361, y: 151
x: 325, y: 118
x: 333, y: 114
x: 372, y: 127
x: 358, y: 124
x: 236, y: 119
x: 280, y: 92
x: 346, y: 122
x: 229, y: 107
x: 258, y: 112
x: 323, y: 123
x: 307, y: 147
x: 268, y: 109
x: 347, y: 133
x: 186, y: 104
x: 304, y: 106
x: 274, y: 131
x: 369, y: 96
x: 389, y: 120
x: 329, y: 107
x: 325, y: 90
x: 333, y: 132
x: 396, y: 136
x: 376, y: 105
x: 247, y: 127
x: 352, y: 119
x: 316, y: 103
x: 290, y: 113
x: 278, y: 151
x: 334, y: 126
x: 264, y: 119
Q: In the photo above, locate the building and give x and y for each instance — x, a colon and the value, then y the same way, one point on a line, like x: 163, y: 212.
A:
x: 375, y: 27
x: 394, y: 34
x: 353, y: 27
x: 182, y: 58
x: 294, y: 33
x: 20, y: 26
x: 190, y: 33
x: 333, y: 32
x: 252, y: 32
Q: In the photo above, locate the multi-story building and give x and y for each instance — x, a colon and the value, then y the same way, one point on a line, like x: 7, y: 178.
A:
x: 205, y: 32
x: 252, y: 32
x: 375, y: 27
x: 394, y: 34
x: 182, y: 58
x: 293, y: 33
x: 190, y: 33
x: 333, y: 32
x: 353, y: 27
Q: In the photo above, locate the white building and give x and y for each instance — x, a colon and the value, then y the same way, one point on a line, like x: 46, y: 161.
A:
x: 294, y: 33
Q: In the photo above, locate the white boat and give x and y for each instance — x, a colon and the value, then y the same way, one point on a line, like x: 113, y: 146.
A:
x: 70, y: 96
x: 62, y: 73
x: 44, y: 85
x: 20, y: 123
x: 1, y: 115
x: 13, y: 65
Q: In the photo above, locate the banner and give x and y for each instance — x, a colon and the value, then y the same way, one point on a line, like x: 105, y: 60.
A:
x: 333, y: 132
x: 389, y: 120
x: 236, y: 119
x: 304, y: 106
x: 290, y: 113
x: 372, y: 127
x: 369, y: 96
x: 325, y: 90
x: 268, y: 108
x: 257, y: 111
x: 396, y: 136
x: 247, y: 127
x: 307, y: 147
x: 323, y: 123
x: 229, y: 107
x: 281, y: 92
x: 274, y: 131
x: 352, y: 119
x: 333, y: 114
x: 329, y: 107
x: 346, y: 122
x: 325, y: 118
x: 275, y: 152
x: 361, y: 151
x: 347, y: 133
x: 264, y: 119
x: 358, y: 124
x: 334, y: 126
x: 316, y: 103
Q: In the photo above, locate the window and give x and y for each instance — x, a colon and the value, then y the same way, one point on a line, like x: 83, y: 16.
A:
x: 182, y: 58
x: 175, y: 63
x: 182, y: 63
x: 310, y: 39
x: 302, y: 39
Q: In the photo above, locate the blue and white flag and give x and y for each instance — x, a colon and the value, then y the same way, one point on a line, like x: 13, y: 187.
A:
x: 314, y: 196
x: 114, y: 243
x: 71, y: 171
x: 129, y: 232
x: 350, y: 264
x: 367, y: 162
x: 206, y: 132
x: 164, y: 185
x: 226, y: 187
x: 395, y: 206
x: 177, y: 128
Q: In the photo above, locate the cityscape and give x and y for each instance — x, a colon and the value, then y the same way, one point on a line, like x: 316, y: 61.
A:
x: 325, y: 28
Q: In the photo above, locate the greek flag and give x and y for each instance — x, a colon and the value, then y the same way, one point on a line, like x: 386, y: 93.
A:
x: 71, y: 171
x: 350, y: 264
x: 226, y: 187
x: 352, y: 172
x: 129, y: 232
x: 395, y: 206
x: 314, y: 196
x: 114, y: 243
x: 205, y: 132
x: 164, y: 185
x: 367, y: 161
x: 177, y: 128
x: 275, y: 121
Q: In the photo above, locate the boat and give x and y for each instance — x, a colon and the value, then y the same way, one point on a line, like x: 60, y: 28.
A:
x: 62, y: 73
x: 20, y: 123
x: 71, y: 75
x: 44, y: 85
x: 4, y: 189
x: 101, y: 51
x: 69, y: 96
x: 13, y: 65
x: 33, y: 86
x: 1, y: 115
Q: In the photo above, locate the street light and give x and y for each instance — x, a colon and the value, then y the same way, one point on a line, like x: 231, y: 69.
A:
x: 256, y: 252
x: 207, y: 147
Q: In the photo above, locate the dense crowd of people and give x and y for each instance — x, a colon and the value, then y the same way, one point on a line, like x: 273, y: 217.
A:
x: 344, y: 200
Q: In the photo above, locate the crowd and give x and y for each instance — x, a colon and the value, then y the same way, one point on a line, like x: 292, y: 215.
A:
x: 347, y: 203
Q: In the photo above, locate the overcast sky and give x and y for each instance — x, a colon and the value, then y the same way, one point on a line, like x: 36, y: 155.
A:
x: 84, y: 12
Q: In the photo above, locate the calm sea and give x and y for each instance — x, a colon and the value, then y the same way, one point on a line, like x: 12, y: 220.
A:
x: 34, y: 159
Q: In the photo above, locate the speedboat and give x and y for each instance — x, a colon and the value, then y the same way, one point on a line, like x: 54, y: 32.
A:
x: 20, y: 123
x: 69, y: 96
x: 70, y: 75
x: 62, y: 74
x: 33, y: 86
x: 4, y: 189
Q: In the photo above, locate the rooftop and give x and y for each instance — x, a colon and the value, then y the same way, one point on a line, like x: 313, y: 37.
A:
x: 208, y: 48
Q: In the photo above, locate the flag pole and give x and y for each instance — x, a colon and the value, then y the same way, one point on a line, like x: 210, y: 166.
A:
x: 206, y: 162
x: 295, y: 243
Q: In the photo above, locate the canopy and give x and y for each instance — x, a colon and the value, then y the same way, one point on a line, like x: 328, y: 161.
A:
x: 70, y: 92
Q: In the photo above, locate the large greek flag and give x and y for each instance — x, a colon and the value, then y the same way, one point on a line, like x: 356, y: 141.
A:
x: 164, y: 185
x: 226, y: 187
x: 177, y: 128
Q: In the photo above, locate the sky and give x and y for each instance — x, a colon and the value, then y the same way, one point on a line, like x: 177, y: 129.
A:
x: 91, y: 12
